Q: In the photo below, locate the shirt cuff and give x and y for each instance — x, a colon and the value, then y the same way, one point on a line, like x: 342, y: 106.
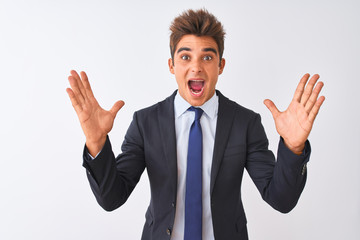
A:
x: 90, y: 157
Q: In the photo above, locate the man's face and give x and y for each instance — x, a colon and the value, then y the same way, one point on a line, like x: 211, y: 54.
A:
x: 196, y: 68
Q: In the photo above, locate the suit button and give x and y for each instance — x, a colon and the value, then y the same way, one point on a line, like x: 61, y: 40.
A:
x: 173, y: 204
x: 168, y: 231
x: 303, y: 170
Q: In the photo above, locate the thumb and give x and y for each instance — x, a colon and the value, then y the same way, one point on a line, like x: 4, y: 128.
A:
x: 271, y: 106
x: 117, y: 106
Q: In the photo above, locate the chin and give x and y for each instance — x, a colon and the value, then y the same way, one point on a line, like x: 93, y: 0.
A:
x: 196, y: 102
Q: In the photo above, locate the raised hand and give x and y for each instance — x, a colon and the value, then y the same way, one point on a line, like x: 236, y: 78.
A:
x: 95, y: 122
x: 295, y: 123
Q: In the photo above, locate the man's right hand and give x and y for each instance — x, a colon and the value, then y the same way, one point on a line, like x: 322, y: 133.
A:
x: 95, y: 121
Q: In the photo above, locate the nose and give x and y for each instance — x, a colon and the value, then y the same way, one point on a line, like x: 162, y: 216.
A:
x: 196, y: 66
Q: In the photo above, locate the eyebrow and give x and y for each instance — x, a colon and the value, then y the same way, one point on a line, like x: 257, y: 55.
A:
x: 204, y: 50
x: 210, y: 50
x: 183, y: 49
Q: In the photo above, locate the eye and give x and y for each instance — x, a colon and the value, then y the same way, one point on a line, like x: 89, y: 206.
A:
x: 207, y: 58
x: 185, y: 57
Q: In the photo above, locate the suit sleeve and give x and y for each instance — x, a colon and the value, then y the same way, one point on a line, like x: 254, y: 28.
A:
x: 279, y: 182
x: 113, y: 179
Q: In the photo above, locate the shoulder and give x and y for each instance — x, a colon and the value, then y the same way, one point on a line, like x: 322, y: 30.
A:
x: 226, y: 105
x: 241, y: 119
x: 167, y: 105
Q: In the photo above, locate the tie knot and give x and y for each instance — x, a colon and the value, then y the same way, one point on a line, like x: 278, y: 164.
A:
x: 198, y: 112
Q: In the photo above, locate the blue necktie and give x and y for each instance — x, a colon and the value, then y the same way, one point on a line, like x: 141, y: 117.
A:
x: 193, y: 195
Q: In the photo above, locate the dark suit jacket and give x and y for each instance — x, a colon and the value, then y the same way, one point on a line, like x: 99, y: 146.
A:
x: 240, y: 142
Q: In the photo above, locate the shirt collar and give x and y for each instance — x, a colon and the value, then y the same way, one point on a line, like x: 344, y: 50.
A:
x: 210, y: 107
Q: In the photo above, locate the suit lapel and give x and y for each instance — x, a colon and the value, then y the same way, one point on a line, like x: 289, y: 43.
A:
x: 223, y: 127
x: 166, y: 118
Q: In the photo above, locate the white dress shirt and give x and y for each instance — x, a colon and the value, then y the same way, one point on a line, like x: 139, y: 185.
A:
x: 183, y: 121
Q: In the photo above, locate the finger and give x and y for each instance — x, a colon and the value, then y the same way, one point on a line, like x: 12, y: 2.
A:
x: 117, y: 106
x: 79, y: 82
x: 314, y: 95
x: 75, y: 89
x: 309, y: 88
x: 271, y: 106
x: 74, y: 101
x: 300, y: 88
x: 315, y: 109
x: 86, y: 83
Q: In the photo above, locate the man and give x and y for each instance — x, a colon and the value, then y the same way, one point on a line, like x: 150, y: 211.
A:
x: 165, y: 139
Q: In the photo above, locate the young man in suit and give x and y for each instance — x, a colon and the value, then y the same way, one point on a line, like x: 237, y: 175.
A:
x: 231, y: 138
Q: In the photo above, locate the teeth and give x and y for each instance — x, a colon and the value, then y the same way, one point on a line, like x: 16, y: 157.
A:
x: 197, y: 93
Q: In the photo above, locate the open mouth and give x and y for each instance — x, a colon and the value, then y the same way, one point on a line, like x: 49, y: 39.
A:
x: 196, y: 87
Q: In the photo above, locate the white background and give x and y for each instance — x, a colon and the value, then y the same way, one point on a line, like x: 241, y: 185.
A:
x: 123, y: 46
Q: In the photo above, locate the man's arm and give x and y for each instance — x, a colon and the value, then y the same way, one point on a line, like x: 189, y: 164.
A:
x: 113, y: 179
x: 110, y: 182
x: 280, y: 182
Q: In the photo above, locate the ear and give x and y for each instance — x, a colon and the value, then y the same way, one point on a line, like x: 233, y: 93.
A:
x: 171, y: 66
x: 222, y: 65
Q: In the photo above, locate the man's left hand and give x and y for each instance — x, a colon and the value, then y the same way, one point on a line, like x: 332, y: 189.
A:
x: 295, y: 123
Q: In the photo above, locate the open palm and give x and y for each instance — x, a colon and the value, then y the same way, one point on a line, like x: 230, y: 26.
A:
x: 295, y: 123
x: 95, y: 121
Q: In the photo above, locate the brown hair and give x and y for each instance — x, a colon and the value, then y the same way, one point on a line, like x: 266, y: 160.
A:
x: 199, y: 23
